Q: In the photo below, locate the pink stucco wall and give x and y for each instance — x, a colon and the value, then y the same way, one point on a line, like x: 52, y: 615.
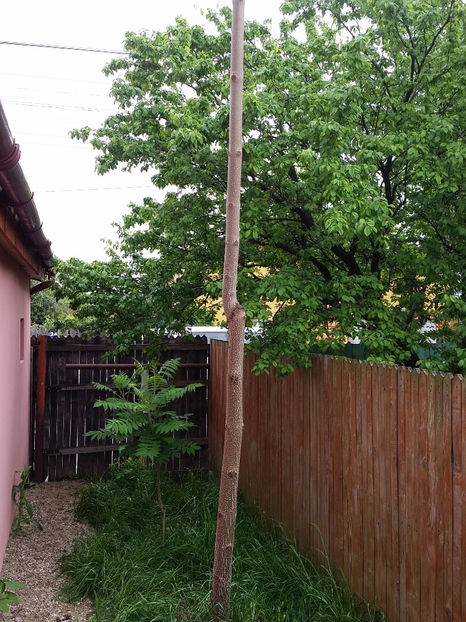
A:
x: 14, y: 385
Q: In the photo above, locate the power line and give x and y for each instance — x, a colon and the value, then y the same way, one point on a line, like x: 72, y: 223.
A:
x: 95, y: 189
x: 62, y: 47
x: 40, y: 89
x: 16, y: 102
x: 43, y: 77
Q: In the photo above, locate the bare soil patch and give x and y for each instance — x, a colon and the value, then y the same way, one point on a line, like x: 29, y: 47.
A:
x: 32, y: 558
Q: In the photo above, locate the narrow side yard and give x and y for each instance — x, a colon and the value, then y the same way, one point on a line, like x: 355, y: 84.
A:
x: 134, y: 577
x: 32, y: 558
x: 119, y: 560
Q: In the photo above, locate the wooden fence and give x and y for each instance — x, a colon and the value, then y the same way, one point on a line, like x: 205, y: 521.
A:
x: 63, y: 396
x: 367, y: 461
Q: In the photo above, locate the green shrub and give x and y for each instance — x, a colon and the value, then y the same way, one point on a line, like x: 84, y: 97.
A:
x: 26, y: 512
x: 139, y: 409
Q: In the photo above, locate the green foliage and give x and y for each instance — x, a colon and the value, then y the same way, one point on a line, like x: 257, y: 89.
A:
x: 138, y: 406
x: 130, y: 576
x: 353, y: 210
x: 49, y: 311
x: 7, y: 593
x: 27, y: 513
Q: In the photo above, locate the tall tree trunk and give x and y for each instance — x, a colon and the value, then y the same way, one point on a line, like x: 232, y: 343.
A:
x: 226, y: 518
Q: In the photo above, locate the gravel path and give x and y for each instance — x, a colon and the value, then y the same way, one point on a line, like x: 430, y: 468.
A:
x: 32, y: 558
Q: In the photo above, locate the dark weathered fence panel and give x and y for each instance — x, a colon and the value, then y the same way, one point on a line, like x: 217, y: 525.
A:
x: 368, y: 461
x: 72, y: 366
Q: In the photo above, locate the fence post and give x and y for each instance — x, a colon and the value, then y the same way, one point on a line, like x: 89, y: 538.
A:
x: 40, y: 409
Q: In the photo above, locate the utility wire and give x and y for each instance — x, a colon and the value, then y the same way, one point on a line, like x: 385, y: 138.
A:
x: 37, y: 77
x: 62, y: 47
x: 94, y: 189
x: 16, y: 102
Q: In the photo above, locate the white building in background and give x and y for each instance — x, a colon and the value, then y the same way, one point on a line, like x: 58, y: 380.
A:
x: 211, y: 332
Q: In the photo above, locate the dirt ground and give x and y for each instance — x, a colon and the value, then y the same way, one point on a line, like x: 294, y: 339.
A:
x: 32, y: 558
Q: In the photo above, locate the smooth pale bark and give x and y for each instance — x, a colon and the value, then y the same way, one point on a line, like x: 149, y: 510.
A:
x: 226, y: 518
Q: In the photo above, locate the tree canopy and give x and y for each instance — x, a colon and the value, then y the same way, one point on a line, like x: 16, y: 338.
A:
x: 48, y: 311
x: 353, y: 213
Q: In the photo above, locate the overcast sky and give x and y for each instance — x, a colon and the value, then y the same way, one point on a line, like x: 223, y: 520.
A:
x: 47, y: 92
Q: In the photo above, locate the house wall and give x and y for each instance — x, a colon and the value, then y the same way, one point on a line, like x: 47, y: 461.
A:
x: 14, y: 385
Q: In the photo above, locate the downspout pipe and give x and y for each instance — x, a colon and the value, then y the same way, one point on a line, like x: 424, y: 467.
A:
x: 16, y: 194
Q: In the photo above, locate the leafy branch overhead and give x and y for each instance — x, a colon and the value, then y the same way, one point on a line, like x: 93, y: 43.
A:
x: 353, y: 210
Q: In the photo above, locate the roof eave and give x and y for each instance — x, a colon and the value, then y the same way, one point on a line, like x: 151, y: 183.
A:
x: 18, y: 198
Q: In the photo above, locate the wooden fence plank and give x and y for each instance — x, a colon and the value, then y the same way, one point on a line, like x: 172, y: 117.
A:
x: 428, y: 508
x: 415, y: 427
x: 368, y: 483
x: 403, y: 412
x: 391, y: 493
x: 306, y: 515
x: 446, y: 485
x: 380, y: 486
x: 313, y: 449
x: 273, y: 388
x: 355, y: 550
x: 40, y: 409
x: 249, y: 418
x: 462, y: 503
x: 296, y: 400
x: 336, y: 464
x: 458, y: 493
x: 325, y: 439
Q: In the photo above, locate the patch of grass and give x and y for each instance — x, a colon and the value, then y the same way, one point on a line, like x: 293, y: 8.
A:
x: 133, y: 577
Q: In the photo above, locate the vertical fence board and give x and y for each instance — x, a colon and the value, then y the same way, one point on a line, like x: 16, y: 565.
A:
x: 462, y: 503
x: 415, y: 494
x: 446, y: 487
x: 427, y: 507
x: 260, y: 422
x: 348, y: 448
x: 260, y: 441
x: 249, y: 416
x: 296, y: 400
x: 457, y: 498
x: 270, y: 396
x: 40, y: 403
x: 273, y: 390
x: 305, y: 518
x: 438, y: 497
x: 355, y: 550
x: 325, y: 438
x: 313, y: 448
x: 368, y: 482
x: 380, y: 486
x: 339, y: 413
x: 392, y: 433
x: 403, y: 409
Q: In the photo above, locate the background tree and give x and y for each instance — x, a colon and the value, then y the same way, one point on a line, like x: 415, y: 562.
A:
x: 353, y: 205
x: 49, y: 311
